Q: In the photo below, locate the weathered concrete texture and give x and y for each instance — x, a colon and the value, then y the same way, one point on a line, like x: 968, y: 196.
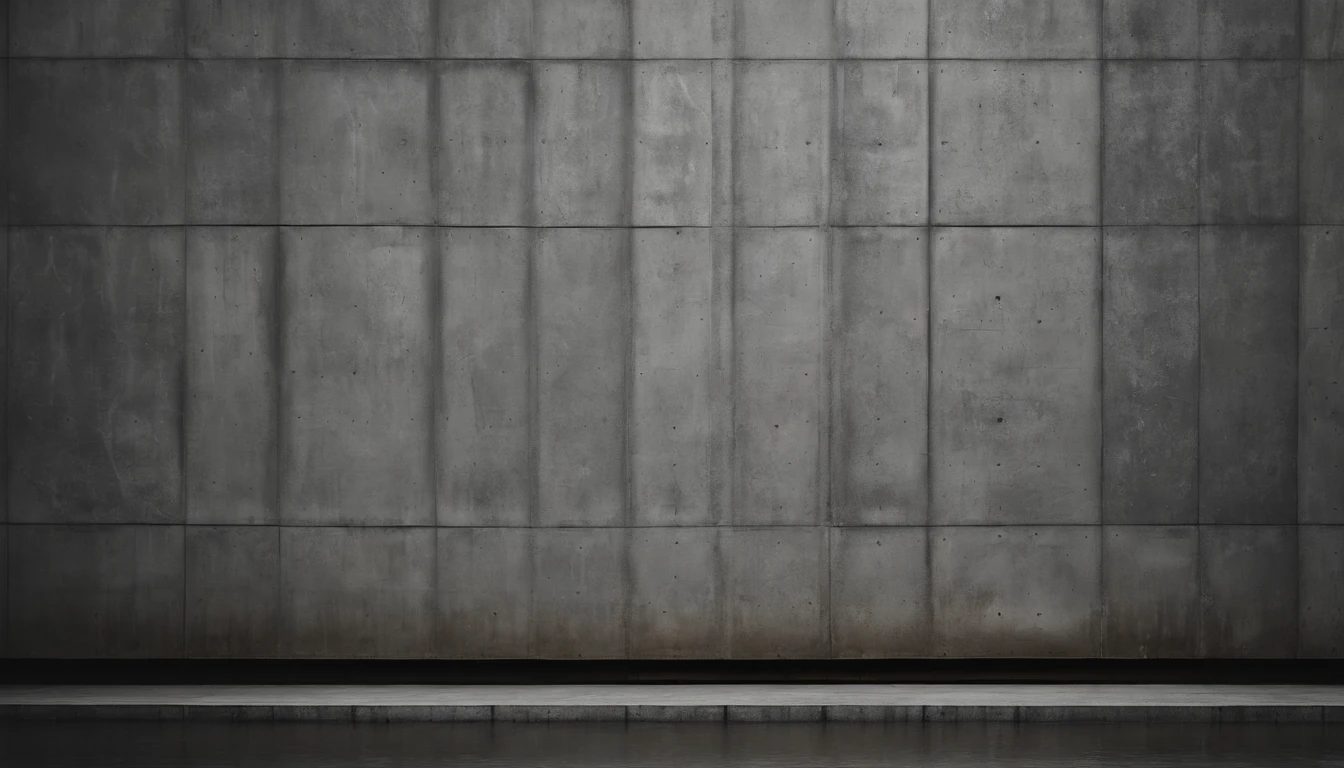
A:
x: 1248, y: 147
x: 355, y: 143
x: 879, y: 597
x: 781, y: 142
x: 491, y: 617
x: 1322, y: 143
x: 232, y: 142
x: 1150, y: 325
x: 881, y: 29
x: 1016, y: 143
x: 1158, y: 29
x: 1015, y: 395
x: 60, y: 28
x: 880, y: 348
x: 483, y: 157
x: 1232, y: 29
x: 1151, y: 157
x: 1320, y: 446
x: 682, y: 29
x: 777, y: 585
x: 358, y: 592
x: 1248, y: 316
x: 484, y: 428
x: 231, y: 428
x: 356, y: 388
x: 583, y: 326
x: 582, y: 29
x: 1323, y: 29
x: 582, y: 146
x: 673, y: 165
x: 779, y: 323
x: 1321, y: 591
x: 95, y: 375
x: 4, y: 589
x: 232, y: 591
x: 1248, y: 579
x: 485, y: 29
x: 356, y: 29
x: 674, y: 475
x: 1015, y: 29
x: 881, y: 165
x: 783, y: 29
x: 676, y: 594
x: 105, y: 591
x: 579, y: 593
x: 1016, y: 591
x: 95, y: 142
x: 236, y: 28
x: 1150, y: 587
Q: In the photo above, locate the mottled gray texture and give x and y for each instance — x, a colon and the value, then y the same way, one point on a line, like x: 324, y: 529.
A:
x: 232, y: 591
x: 777, y: 586
x: 579, y: 594
x: 880, y: 593
x: 1248, y: 145
x: 1015, y: 29
x: 676, y: 594
x: 1158, y: 29
x: 1150, y: 582
x: 69, y: 28
x: 1231, y: 29
x: 880, y: 173
x: 1322, y: 143
x: 1249, y: 585
x: 233, y: 139
x: 483, y: 160
x: 1321, y: 591
x: 1323, y: 29
x: 1151, y: 156
x: 1321, y: 378
x: 485, y: 618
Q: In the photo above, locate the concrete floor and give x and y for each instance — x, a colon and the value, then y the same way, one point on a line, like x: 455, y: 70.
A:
x: 674, y: 703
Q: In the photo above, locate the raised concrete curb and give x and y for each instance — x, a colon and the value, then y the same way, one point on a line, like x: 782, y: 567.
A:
x: 680, y: 703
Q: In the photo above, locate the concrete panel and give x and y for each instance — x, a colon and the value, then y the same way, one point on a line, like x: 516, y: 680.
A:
x: 879, y: 440
x: 779, y: 322
x: 95, y: 375
x: 1016, y: 591
x: 1248, y: 151
x: 1323, y: 29
x: 484, y: 593
x: 880, y: 593
x: 582, y: 29
x: 1321, y: 614
x: 485, y: 161
x: 53, y: 28
x: 1016, y: 396
x: 356, y: 397
x: 882, y: 29
x: 232, y: 149
x: 237, y: 28
x: 95, y: 142
x: 355, y: 141
x: 1151, y: 115
x: 1016, y: 144
x: 1248, y: 319
x: 1015, y: 29
x: 485, y: 29
x: 1249, y: 29
x: 1249, y: 582
x: 674, y: 144
x: 777, y: 586
x: 582, y: 143
x: 86, y: 591
x: 675, y: 360
x: 1150, y: 29
x: 232, y: 591
x: 781, y: 142
x: 4, y: 588
x: 1321, y: 367
x: 881, y: 171
x: 682, y: 29
x: 783, y: 29
x: 356, y: 593
x: 485, y: 415
x: 583, y: 325
x: 579, y: 598
x: 676, y: 594
x: 357, y: 29
x: 232, y: 390
x: 1150, y: 582
x: 1150, y: 327
x: 1322, y: 145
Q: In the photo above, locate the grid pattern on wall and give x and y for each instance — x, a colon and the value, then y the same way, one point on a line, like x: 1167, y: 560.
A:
x: 674, y: 328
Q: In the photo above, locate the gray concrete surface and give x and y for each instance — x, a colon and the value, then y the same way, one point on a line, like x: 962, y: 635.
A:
x: 673, y: 329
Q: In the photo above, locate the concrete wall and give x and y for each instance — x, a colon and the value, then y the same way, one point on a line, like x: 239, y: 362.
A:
x: 674, y: 328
